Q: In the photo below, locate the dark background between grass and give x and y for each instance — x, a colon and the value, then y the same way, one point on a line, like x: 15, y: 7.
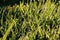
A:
x: 12, y: 2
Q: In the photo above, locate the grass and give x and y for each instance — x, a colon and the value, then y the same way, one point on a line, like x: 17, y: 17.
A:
x: 30, y: 21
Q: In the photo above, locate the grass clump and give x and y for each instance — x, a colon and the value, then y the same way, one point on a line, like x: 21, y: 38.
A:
x: 35, y: 21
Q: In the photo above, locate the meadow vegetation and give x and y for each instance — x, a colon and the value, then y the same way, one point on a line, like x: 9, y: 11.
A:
x: 31, y: 20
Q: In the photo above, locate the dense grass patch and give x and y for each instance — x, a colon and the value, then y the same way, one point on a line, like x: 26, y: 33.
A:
x: 31, y: 21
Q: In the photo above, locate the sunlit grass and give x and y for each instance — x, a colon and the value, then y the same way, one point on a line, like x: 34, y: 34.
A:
x: 35, y: 21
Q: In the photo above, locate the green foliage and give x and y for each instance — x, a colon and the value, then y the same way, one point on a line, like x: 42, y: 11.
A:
x: 30, y: 21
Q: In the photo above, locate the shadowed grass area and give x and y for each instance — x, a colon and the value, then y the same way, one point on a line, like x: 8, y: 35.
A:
x: 13, y: 2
